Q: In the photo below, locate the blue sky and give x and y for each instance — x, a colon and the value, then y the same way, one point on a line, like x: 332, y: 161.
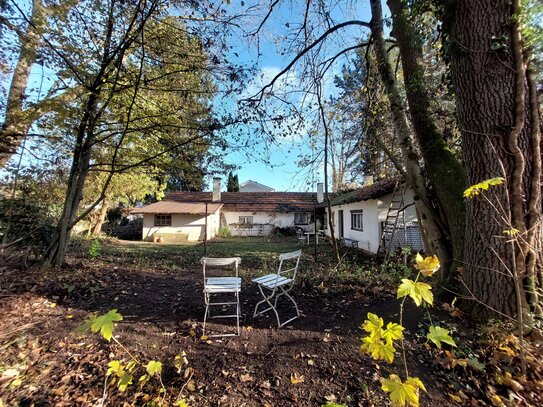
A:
x: 282, y: 172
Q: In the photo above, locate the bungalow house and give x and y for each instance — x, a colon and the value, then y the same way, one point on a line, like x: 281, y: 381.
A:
x: 359, y: 216
x: 194, y: 216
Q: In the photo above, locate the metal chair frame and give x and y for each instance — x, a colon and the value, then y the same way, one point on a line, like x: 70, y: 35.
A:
x: 221, y: 285
x: 278, y: 285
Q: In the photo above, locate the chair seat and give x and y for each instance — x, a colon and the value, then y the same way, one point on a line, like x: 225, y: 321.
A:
x: 272, y: 281
x: 222, y: 285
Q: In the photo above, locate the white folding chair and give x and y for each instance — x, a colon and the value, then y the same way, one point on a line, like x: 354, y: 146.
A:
x: 219, y: 286
x: 273, y: 286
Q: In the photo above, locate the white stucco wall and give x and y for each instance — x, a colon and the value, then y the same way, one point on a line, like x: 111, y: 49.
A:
x: 191, y: 225
x: 263, y: 222
x: 375, y: 212
x: 410, y: 212
x: 368, y: 238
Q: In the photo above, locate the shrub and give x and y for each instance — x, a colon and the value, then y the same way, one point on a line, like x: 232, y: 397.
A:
x: 225, y: 232
x: 27, y: 222
x: 94, y: 249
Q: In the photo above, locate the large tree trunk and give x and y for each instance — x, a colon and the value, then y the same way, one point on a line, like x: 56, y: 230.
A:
x: 500, y: 138
x: 15, y: 124
x: 447, y: 177
x: 434, y: 232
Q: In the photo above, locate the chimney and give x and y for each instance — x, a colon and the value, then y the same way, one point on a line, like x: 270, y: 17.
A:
x: 320, y: 192
x: 216, y: 197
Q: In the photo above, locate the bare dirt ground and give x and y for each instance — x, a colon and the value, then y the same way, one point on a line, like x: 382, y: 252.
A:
x: 312, y: 361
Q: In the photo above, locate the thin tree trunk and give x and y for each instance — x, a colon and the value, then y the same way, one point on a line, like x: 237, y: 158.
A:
x: 328, y: 203
x: 447, y: 177
x: 15, y: 124
x: 97, y: 229
x: 428, y: 218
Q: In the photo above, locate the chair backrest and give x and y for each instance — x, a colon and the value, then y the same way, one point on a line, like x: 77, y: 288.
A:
x: 292, y: 260
x: 219, y: 262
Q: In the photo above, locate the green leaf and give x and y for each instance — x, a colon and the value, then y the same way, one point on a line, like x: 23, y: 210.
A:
x: 181, y: 403
x: 104, y: 323
x: 401, y: 393
x: 153, y: 367
x: 417, y: 291
x: 392, y: 333
x: 440, y: 335
x: 84, y: 327
x: 125, y: 381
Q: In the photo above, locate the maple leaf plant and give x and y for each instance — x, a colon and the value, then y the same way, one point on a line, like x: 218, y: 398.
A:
x: 381, y: 340
x: 121, y: 374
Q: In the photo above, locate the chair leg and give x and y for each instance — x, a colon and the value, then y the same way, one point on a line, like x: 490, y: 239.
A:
x: 238, y: 311
x: 206, y: 299
x: 292, y: 300
x: 267, y: 299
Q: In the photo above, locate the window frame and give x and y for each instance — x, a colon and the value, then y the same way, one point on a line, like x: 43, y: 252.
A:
x: 356, y: 224
x: 243, y: 221
x: 163, y: 219
x: 306, y: 218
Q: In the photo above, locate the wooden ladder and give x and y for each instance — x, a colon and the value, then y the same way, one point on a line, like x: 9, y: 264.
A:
x: 394, y: 213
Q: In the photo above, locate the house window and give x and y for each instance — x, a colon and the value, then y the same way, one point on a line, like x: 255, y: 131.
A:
x: 301, y: 218
x: 245, y: 221
x: 356, y: 220
x: 163, y: 220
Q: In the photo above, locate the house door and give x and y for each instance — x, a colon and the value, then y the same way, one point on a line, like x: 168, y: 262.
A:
x: 340, y: 222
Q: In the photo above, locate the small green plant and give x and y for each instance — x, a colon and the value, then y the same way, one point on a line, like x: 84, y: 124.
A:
x: 123, y: 375
x: 381, y: 340
x: 225, y: 232
x: 94, y: 249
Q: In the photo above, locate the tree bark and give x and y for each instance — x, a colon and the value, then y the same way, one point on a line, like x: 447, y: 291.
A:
x: 436, y: 238
x: 15, y: 124
x: 97, y: 228
x: 445, y: 173
x: 56, y: 251
x: 499, y: 138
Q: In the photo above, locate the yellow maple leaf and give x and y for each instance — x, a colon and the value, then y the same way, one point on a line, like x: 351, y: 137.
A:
x: 476, y: 189
x: 427, y: 265
x: 373, y: 324
x: 416, y: 290
x: 377, y: 348
x: 511, y: 232
x: 403, y: 392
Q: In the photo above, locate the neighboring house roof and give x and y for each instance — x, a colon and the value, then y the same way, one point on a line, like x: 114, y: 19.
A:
x: 191, y: 208
x: 250, y: 184
x: 253, y: 201
x: 372, y: 191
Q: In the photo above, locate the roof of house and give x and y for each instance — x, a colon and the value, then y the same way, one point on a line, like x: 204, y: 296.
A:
x: 253, y: 201
x: 256, y: 184
x: 372, y: 191
x: 191, y: 208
